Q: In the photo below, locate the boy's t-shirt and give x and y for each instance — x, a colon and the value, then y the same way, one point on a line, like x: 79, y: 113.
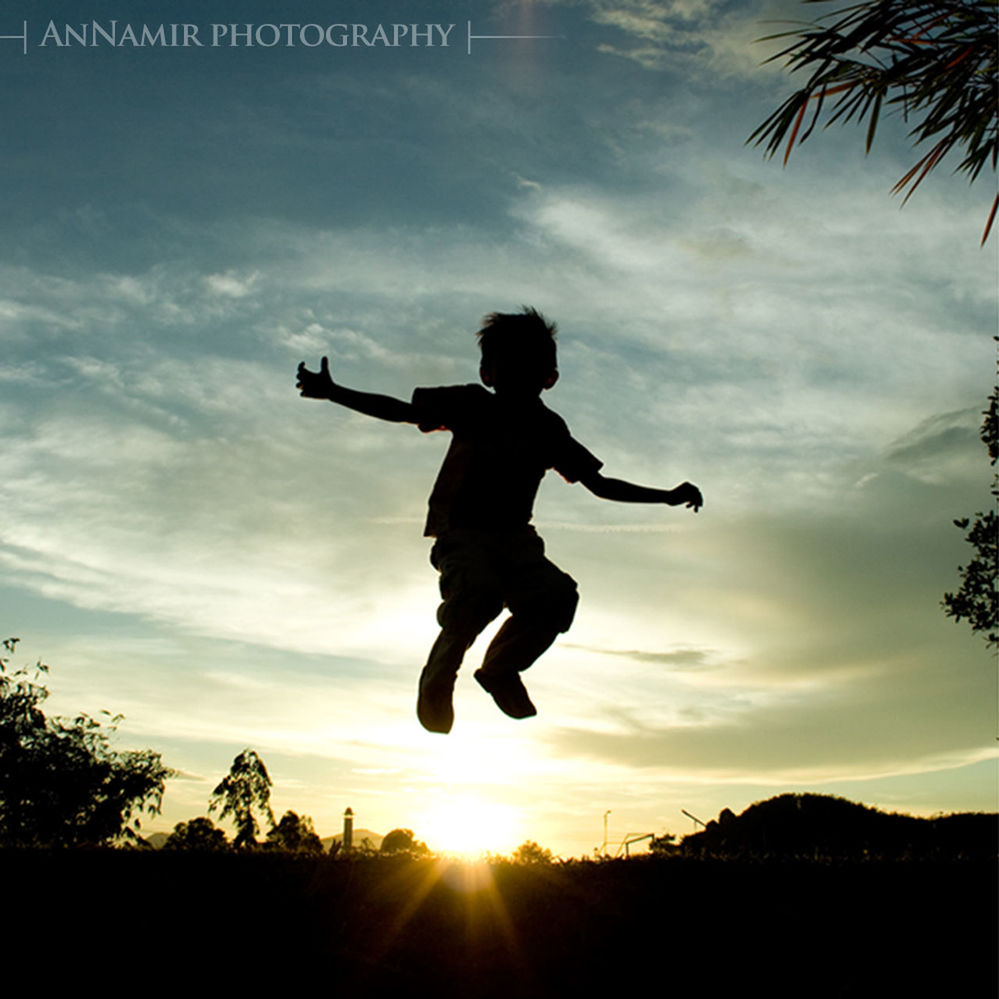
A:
x: 497, y: 458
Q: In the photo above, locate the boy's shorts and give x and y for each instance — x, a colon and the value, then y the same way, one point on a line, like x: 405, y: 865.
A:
x: 484, y: 571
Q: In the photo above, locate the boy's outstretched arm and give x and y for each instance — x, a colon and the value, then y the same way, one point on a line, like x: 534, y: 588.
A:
x: 628, y: 492
x: 319, y: 385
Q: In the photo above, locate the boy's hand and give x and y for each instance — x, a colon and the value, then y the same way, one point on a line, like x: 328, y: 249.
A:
x: 689, y: 494
x: 315, y: 384
x: 628, y: 492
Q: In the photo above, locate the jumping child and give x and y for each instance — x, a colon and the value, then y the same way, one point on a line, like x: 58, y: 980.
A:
x: 486, y: 551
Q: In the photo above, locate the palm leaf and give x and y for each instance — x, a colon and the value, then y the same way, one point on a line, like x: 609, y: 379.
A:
x: 934, y: 62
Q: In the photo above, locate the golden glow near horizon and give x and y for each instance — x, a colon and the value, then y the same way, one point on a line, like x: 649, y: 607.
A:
x: 468, y: 826
x: 464, y: 806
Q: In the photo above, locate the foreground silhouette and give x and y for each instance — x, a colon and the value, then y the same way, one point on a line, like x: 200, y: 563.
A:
x: 395, y: 926
x: 488, y: 555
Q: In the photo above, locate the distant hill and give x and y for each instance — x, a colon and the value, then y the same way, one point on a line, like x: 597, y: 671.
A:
x: 360, y: 835
x: 817, y: 825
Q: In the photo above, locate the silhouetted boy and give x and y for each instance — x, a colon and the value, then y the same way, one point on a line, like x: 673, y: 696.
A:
x: 488, y: 554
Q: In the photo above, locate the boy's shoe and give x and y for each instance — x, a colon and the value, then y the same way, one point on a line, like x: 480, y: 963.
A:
x: 509, y: 693
x: 434, y: 705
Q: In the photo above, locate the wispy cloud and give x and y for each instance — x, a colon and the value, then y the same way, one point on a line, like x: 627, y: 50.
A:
x: 716, y: 37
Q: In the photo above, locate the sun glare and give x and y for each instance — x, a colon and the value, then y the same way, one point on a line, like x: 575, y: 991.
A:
x: 468, y: 827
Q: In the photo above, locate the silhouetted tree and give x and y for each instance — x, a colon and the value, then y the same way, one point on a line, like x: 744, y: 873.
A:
x: 664, y: 846
x: 363, y: 849
x: 402, y: 841
x: 530, y: 853
x: 246, y: 789
x: 294, y: 834
x: 61, y: 783
x: 977, y: 600
x: 199, y: 834
x: 933, y: 60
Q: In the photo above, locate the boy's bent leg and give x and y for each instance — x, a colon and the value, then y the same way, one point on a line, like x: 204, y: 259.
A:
x: 517, y: 645
x: 471, y: 599
x: 542, y: 601
x: 542, y: 605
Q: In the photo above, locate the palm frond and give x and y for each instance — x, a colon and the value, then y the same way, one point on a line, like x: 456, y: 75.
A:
x: 934, y: 62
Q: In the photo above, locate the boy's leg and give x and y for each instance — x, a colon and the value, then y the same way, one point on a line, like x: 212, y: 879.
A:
x: 434, y: 704
x: 471, y: 599
x: 542, y: 601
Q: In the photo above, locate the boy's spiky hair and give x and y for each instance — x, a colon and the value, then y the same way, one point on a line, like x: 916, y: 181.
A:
x: 526, y: 333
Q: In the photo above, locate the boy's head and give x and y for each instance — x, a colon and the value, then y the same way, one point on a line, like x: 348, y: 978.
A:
x: 518, y: 352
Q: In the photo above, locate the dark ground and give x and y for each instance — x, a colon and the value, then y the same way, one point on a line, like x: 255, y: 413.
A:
x: 214, y: 924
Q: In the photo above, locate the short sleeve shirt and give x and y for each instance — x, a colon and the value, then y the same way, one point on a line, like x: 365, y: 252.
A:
x: 498, y: 455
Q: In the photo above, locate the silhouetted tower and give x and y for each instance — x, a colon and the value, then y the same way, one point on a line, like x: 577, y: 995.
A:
x: 348, y: 830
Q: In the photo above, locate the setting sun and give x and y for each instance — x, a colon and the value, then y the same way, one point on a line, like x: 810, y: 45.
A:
x: 468, y: 827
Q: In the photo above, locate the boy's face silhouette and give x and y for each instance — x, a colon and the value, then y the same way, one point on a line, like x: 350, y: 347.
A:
x: 515, y: 378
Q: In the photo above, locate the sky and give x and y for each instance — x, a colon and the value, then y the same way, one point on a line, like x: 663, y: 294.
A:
x: 186, y: 541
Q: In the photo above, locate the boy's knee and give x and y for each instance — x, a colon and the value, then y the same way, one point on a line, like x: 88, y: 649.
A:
x: 555, y: 603
x: 469, y: 613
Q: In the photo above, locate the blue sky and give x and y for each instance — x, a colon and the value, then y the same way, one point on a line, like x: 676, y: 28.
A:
x: 188, y: 542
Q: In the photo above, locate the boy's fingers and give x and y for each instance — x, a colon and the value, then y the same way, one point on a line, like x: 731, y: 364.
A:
x: 325, y: 368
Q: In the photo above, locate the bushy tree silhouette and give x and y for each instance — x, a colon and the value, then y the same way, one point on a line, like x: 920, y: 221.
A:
x: 977, y: 600
x: 664, y: 846
x: 403, y: 841
x: 244, y: 791
x: 61, y: 783
x: 294, y: 834
x: 364, y: 849
x: 530, y: 852
x: 199, y: 834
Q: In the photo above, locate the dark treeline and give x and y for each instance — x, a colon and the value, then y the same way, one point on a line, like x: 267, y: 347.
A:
x: 420, y: 927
